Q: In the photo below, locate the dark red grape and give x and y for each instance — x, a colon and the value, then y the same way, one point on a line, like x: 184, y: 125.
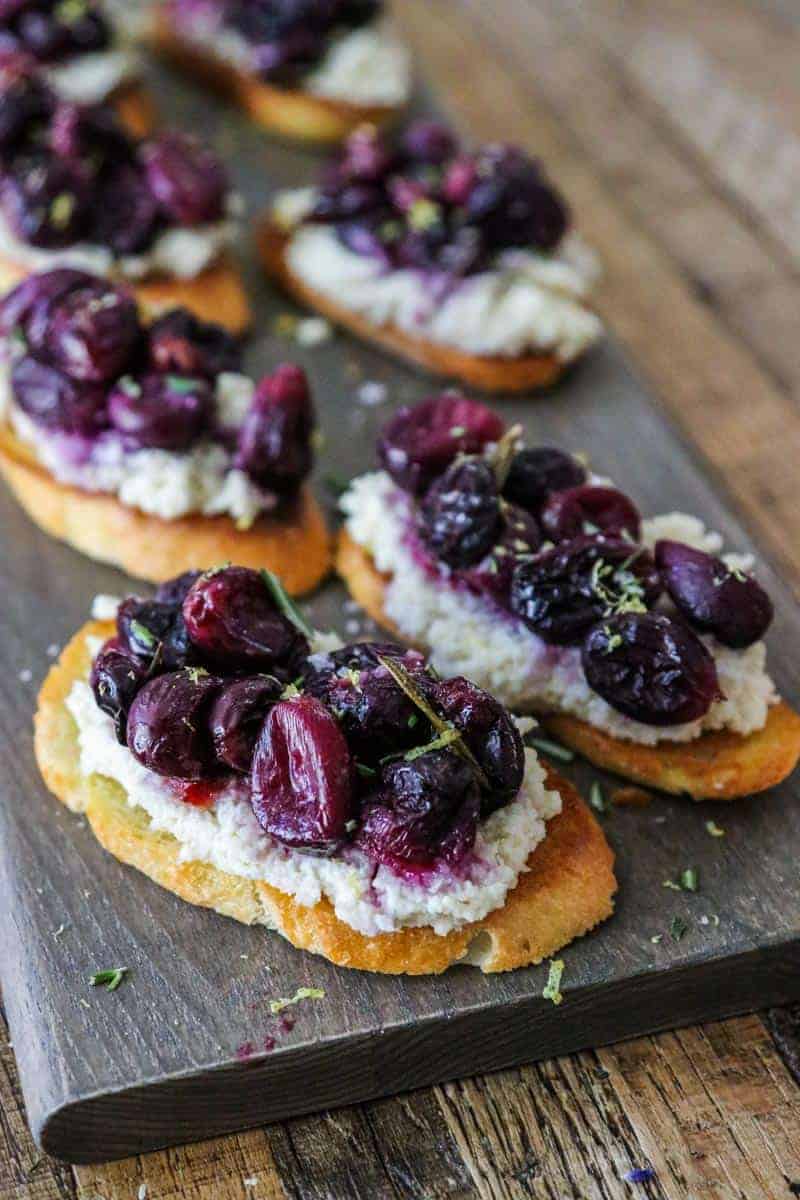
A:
x: 562, y: 592
x: 459, y: 841
x: 321, y: 671
x: 367, y: 158
x: 182, y: 344
x: 233, y: 619
x: 712, y: 596
x: 174, y: 591
x: 538, y: 471
x: 375, y: 714
x: 459, y: 518
x: 275, y: 438
x: 490, y: 734
x: 24, y: 100
x: 168, y: 724
x: 417, y: 805
x: 301, y: 785
x: 460, y: 178
x: 89, y: 137
x: 650, y: 668
x: 589, y: 509
x: 45, y: 202
x: 419, y: 443
x: 93, y: 332
x: 163, y: 412
x: 125, y: 211
x: 518, y: 539
x: 346, y: 202
x: 429, y: 141
x: 27, y: 307
x: 186, y: 178
x: 237, y: 716
x: 513, y: 202
x: 155, y: 632
x: 55, y: 401
x: 115, y: 679
x: 54, y: 34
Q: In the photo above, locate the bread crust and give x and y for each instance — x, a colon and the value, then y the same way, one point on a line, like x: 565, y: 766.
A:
x: 716, y: 766
x: 295, y: 543
x: 565, y: 893
x: 288, y: 113
x: 216, y: 294
x: 528, y: 373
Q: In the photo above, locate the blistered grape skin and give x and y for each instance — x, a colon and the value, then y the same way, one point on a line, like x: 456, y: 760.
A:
x: 713, y: 598
x: 650, y: 668
x: 419, y: 443
x: 590, y: 509
x: 519, y: 539
x: 274, y: 446
x: 168, y: 724
x: 160, y: 412
x: 155, y: 632
x: 539, y: 470
x: 490, y: 734
x: 459, y: 518
x: 55, y: 401
x: 237, y: 715
x: 92, y: 332
x: 115, y: 680
x: 179, y: 343
x: 186, y: 178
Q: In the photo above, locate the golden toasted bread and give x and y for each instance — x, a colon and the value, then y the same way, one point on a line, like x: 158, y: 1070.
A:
x: 294, y: 543
x: 529, y: 372
x: 135, y: 108
x: 287, y: 113
x: 715, y: 766
x: 217, y: 294
x: 567, y: 890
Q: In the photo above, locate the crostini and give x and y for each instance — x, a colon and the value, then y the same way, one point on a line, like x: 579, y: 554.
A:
x: 143, y: 444
x: 86, y: 53
x: 460, y: 262
x: 345, y: 796
x: 312, y: 72
x: 76, y: 189
x: 633, y: 640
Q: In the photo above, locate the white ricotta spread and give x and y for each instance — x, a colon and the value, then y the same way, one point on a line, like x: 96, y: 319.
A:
x: 364, y: 66
x: 527, y: 302
x: 91, y: 78
x: 164, y: 483
x: 469, y: 636
x: 228, y: 837
x: 178, y: 253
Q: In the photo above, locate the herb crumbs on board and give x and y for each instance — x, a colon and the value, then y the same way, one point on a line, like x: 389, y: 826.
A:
x: 552, y: 989
x: 110, y: 980
x: 303, y: 993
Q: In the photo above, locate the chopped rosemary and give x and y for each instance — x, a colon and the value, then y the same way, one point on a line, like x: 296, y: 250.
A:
x: 678, y: 927
x: 110, y: 980
x: 440, y: 742
x: 285, y: 603
x: 365, y: 771
x: 714, y: 829
x: 504, y: 453
x: 303, y: 993
x: 552, y: 989
x: 181, y: 385
x: 597, y: 798
x: 690, y: 879
x: 553, y: 749
x: 143, y: 635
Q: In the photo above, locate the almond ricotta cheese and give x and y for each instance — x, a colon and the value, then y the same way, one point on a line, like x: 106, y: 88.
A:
x: 472, y: 637
x: 92, y: 78
x: 164, y: 483
x: 526, y: 303
x: 369, y: 900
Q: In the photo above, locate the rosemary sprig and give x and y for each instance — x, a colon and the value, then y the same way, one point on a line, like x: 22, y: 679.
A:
x: 110, y: 980
x: 503, y: 455
x: 285, y: 603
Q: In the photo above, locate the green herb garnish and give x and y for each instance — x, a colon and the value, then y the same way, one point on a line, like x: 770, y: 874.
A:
x: 143, y: 635
x: 714, y: 829
x: 303, y: 993
x: 597, y: 798
x: 678, y: 928
x: 441, y: 742
x: 690, y: 879
x: 552, y: 989
x: 553, y: 749
x: 181, y: 385
x: 285, y: 603
x: 365, y: 771
x: 110, y: 980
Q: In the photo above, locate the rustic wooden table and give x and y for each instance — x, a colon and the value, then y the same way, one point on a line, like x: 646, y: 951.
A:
x: 675, y: 129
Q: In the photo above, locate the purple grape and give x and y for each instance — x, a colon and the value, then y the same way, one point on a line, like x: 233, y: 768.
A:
x: 513, y: 202
x: 186, y: 178
x: 429, y: 142
x: 233, y: 619
x: 650, y: 668
x: 371, y: 236
x: 275, y: 438
x: 346, y: 202
x: 301, y: 784
x: 418, y: 444
x: 168, y: 724
x: 459, y: 518
x: 712, y: 596
x: 518, y: 539
x: 24, y: 100
x: 460, y: 179
x: 57, y: 402
x: 376, y: 716
x: 237, y: 716
x: 155, y: 632
x: 562, y: 592
x: 538, y: 471
x: 174, y: 591
x: 490, y: 734
x: 321, y: 671
x: 53, y: 35
x: 161, y: 412
x: 182, y: 344
x: 587, y: 510
x: 125, y: 211
x: 93, y: 332
x: 88, y: 137
x: 366, y: 158
x: 28, y: 306
x: 115, y: 680
x: 45, y: 202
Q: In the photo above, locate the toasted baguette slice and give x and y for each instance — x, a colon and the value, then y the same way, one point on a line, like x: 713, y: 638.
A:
x: 716, y: 766
x: 294, y: 543
x: 531, y: 372
x: 294, y: 114
x: 565, y: 893
x: 215, y: 295
x: 135, y: 108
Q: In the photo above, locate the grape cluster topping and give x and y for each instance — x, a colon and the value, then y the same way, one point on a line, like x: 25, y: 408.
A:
x: 286, y: 37
x: 51, y: 31
x: 527, y: 529
x: 71, y: 173
x: 84, y: 365
x: 425, y: 203
x: 212, y: 679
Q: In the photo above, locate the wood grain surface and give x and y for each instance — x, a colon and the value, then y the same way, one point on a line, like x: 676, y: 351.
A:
x: 714, y: 1110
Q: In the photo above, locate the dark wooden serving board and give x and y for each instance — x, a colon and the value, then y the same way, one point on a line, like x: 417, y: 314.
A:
x: 178, y: 1052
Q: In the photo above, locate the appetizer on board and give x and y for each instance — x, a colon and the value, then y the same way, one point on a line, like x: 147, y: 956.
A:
x: 312, y: 70
x: 637, y: 641
x: 141, y: 443
x: 460, y: 261
x: 365, y: 808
